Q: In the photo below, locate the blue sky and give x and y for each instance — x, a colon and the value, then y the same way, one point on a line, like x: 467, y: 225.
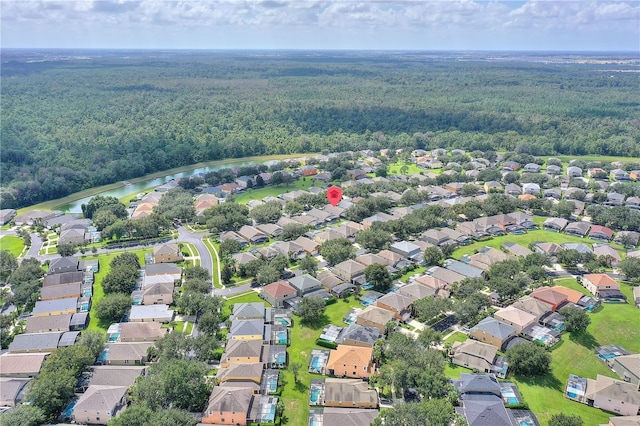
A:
x: 308, y: 24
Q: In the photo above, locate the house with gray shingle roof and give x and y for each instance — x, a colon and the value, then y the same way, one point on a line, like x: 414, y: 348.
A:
x: 463, y: 269
x: 493, y: 332
x: 349, y: 270
x: 304, y: 284
x: 35, y: 342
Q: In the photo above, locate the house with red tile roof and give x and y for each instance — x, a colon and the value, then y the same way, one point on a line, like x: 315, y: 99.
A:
x: 277, y: 293
x: 597, y: 282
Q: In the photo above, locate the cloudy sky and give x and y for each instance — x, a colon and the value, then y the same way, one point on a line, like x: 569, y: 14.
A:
x: 603, y: 25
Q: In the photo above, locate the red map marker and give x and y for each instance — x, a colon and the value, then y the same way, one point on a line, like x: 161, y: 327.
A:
x: 334, y: 195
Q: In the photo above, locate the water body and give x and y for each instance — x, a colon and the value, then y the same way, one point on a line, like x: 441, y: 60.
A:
x: 145, y: 185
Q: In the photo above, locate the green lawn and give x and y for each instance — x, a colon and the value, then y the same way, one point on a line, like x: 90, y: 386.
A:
x: 214, y: 248
x: 539, y: 235
x: 303, y: 183
x: 13, y: 244
x: 98, y: 291
x: 604, y: 158
x: 456, y: 337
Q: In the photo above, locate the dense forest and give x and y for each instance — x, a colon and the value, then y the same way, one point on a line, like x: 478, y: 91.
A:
x: 74, y: 120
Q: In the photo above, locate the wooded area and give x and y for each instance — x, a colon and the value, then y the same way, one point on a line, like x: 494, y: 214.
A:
x: 74, y: 120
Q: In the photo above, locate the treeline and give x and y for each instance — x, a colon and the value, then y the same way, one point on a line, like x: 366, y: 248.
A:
x: 72, y: 125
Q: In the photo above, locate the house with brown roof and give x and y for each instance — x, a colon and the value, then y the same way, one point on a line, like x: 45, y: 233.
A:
x: 392, y: 258
x: 244, y: 352
x: 141, y: 331
x: 43, y: 324
x: 252, y: 235
x: 99, y: 403
x: 416, y: 290
x: 598, y: 282
x: 606, y: 394
x: 130, y: 353
x: 61, y: 291
x: 607, y: 252
x: 399, y: 304
x: 370, y: 259
x: 536, y: 307
x: 167, y: 253
x: 579, y: 229
x: 241, y: 372
x: 373, y: 316
x: 231, y: 404
x: 553, y: 298
x: 351, y: 361
x: 63, y: 278
x: 448, y: 276
x: 474, y: 355
x: 515, y: 249
x: 329, y: 280
x: 439, y: 287
x: 158, y: 293
x: 22, y: 365
x: 551, y: 249
x: 349, y: 270
x: 277, y: 293
x: 573, y: 296
x: 349, y: 393
x: 309, y: 246
x: 12, y: 391
x: 515, y: 317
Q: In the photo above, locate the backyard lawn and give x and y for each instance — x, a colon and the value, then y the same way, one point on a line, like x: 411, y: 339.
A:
x: 303, y: 183
x: 98, y: 291
x: 13, y: 244
x: 539, y: 235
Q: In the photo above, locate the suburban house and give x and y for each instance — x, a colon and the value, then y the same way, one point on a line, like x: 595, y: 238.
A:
x: 397, y: 303
x: 556, y: 224
x: 63, y: 264
x: 244, y: 351
x: 474, y: 355
x: 42, y: 324
x: 515, y: 249
x: 252, y: 235
x: 12, y: 391
x: 463, y: 269
x: 64, y: 291
x: 343, y: 416
x: 552, y: 169
x: 251, y: 311
x: 99, y: 403
x: 579, y: 229
x: 349, y: 270
x: 305, y: 284
x: 598, y: 282
x: 406, y: 249
x: 139, y: 331
x: 130, y: 353
x: 627, y: 367
x: 481, y: 401
x: 373, y: 316
x: 115, y: 375
x: 531, y: 188
x: 21, y: 365
x: 35, y: 342
x: 493, y: 332
x: 439, y: 287
x: 605, y: 393
x: 599, y: 232
x: 247, y: 330
x: 167, y: 253
x: 515, y: 317
x: 619, y: 174
x: 349, y: 393
x: 231, y: 404
x: 63, y: 278
x: 573, y: 171
x: 277, y: 293
x: 551, y: 297
x: 531, y: 168
x: 358, y: 335
x: 145, y: 313
x: 241, y: 372
x: 309, y: 246
x: 55, y: 307
x: 351, y: 361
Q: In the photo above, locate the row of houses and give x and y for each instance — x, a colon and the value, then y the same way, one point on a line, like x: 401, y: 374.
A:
x: 248, y: 378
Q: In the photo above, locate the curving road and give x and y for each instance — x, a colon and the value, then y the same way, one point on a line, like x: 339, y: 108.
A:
x: 206, y: 260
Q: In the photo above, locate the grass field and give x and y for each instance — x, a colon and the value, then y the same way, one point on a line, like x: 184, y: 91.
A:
x: 302, y: 183
x: 214, y: 248
x: 604, y: 158
x: 98, y: 291
x: 12, y: 244
x: 540, y: 235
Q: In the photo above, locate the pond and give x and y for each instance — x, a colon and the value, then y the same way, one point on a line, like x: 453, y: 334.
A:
x: 142, y: 186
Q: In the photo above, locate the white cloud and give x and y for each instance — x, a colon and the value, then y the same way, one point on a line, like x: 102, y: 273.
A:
x: 323, y: 23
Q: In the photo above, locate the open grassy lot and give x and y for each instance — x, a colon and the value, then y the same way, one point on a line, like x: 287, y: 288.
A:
x: 98, y: 291
x: 539, y: 235
x: 303, y: 183
x: 604, y: 158
x: 13, y: 244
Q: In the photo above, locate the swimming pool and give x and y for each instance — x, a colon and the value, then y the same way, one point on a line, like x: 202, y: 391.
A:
x: 68, y: 412
x: 316, y: 363
x: 281, y: 358
x: 272, y: 384
x: 283, y: 321
x: 282, y: 337
x: 509, y: 396
x: 572, y: 395
x: 607, y: 356
x: 314, y: 395
x: 527, y: 422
